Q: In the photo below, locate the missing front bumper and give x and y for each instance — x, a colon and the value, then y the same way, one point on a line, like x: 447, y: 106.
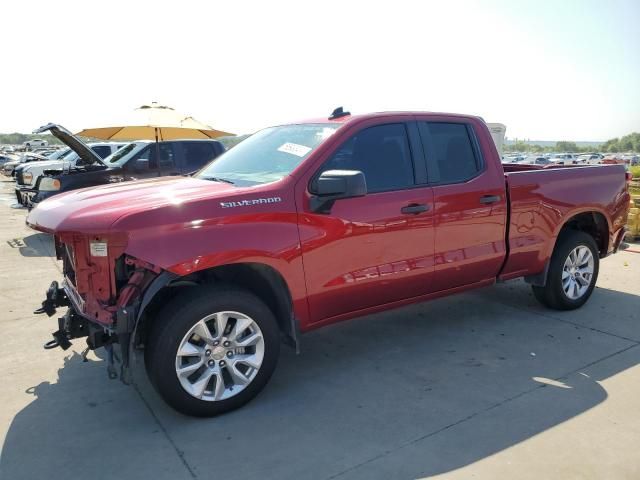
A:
x: 25, y: 196
x: 74, y: 324
x: 55, y: 297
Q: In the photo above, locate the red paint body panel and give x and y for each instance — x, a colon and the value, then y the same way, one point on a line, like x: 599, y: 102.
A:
x: 360, y: 256
x: 363, y: 256
x: 542, y: 201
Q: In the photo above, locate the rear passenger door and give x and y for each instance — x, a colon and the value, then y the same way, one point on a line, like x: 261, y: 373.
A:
x: 196, y: 155
x: 470, y: 205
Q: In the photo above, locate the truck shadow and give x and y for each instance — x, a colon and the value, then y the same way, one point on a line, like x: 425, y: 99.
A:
x: 34, y: 245
x: 444, y: 384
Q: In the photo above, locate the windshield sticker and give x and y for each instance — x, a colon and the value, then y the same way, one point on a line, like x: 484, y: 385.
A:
x: 294, y: 149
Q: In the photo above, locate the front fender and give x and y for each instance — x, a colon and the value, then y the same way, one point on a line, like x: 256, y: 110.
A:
x: 193, y: 246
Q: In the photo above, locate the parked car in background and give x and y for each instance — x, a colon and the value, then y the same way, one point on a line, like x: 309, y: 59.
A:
x: 134, y: 161
x: 35, y: 142
x: 43, y: 151
x: 60, y: 154
x: 563, y: 159
x: 307, y: 224
x: 613, y: 159
x: 57, y: 155
x: 27, y: 175
x: 9, y: 167
x: 589, y: 158
x: 536, y: 160
x: 513, y: 158
x: 4, y: 158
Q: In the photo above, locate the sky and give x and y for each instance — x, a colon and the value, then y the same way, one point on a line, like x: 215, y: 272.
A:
x: 549, y: 70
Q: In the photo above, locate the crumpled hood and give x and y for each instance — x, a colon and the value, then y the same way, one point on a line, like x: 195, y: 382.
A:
x: 95, y: 209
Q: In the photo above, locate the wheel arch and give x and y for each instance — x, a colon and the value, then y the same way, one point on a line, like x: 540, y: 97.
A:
x: 261, y: 279
x: 591, y: 221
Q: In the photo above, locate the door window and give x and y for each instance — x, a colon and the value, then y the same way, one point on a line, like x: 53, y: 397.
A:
x: 197, y: 155
x: 149, y: 153
x: 451, y: 156
x: 381, y: 153
x: 103, y: 151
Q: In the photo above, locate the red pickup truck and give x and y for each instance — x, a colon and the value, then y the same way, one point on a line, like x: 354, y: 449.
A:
x: 310, y: 223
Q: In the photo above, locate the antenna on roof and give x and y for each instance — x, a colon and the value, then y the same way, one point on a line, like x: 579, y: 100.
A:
x: 338, y: 113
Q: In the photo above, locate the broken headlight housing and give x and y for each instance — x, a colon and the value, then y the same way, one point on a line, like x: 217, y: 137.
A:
x: 49, y: 184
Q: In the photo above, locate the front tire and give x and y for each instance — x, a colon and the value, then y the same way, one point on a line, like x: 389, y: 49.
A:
x: 573, y: 272
x: 212, y: 349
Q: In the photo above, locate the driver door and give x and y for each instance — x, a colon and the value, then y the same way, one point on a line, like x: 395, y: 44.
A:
x: 376, y: 249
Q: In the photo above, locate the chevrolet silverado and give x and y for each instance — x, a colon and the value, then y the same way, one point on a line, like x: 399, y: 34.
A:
x: 307, y: 224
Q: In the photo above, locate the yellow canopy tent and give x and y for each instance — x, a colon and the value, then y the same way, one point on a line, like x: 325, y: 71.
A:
x: 155, y: 122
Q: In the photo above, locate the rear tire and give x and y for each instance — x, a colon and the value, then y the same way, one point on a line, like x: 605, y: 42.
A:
x: 573, y: 272
x: 196, y: 356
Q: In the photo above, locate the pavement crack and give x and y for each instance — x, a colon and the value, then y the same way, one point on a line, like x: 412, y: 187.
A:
x: 478, y: 413
x: 179, y: 452
x: 570, y: 322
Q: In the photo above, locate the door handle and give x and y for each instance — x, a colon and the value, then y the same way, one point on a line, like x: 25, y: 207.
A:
x: 489, y: 199
x: 414, y: 208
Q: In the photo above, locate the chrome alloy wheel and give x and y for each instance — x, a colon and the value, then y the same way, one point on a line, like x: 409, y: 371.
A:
x: 219, y: 356
x: 577, y: 272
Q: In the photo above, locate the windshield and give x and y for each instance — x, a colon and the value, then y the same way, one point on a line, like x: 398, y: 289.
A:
x: 268, y: 155
x: 120, y: 157
x: 59, y: 154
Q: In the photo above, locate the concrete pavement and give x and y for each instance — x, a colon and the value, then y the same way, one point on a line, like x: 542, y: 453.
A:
x: 487, y: 384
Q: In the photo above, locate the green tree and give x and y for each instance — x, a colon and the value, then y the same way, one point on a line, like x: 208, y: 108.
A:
x: 627, y: 143
x: 566, y: 146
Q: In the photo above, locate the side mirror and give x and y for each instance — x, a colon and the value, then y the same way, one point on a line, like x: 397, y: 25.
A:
x: 334, y: 185
x: 141, y: 164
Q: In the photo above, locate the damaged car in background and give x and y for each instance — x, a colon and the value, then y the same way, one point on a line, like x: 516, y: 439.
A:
x: 133, y: 161
x: 27, y: 175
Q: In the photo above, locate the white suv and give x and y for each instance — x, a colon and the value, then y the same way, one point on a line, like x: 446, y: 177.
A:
x: 27, y: 176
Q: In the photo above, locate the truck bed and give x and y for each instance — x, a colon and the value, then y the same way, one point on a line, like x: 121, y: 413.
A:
x: 542, y: 199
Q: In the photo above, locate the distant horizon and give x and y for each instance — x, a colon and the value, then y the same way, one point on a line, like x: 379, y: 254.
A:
x: 509, y: 140
x: 548, y: 143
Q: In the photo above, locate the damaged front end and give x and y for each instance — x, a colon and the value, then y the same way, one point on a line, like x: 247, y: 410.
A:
x: 103, y: 288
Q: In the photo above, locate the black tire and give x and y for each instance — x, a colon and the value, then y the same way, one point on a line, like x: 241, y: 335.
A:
x: 178, y: 317
x: 552, y: 294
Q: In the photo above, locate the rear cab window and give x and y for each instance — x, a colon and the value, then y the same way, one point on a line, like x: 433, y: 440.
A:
x: 452, y: 152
